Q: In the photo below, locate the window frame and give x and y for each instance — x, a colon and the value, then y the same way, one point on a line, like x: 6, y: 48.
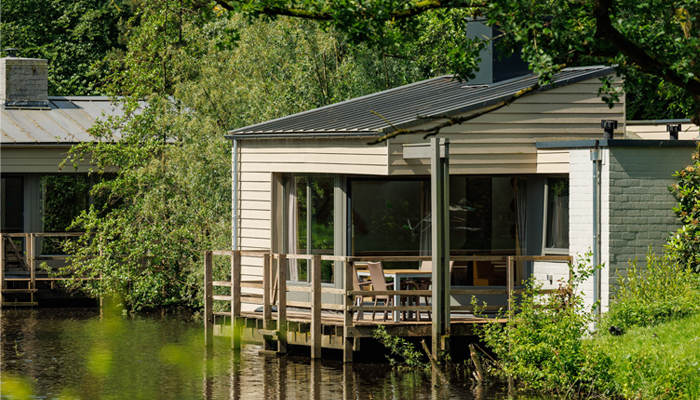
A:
x: 545, y: 220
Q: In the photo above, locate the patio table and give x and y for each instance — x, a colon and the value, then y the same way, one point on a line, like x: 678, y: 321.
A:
x: 399, y: 275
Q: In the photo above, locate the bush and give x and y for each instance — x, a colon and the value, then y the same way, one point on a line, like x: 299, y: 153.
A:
x: 542, y: 345
x: 663, y: 291
x: 684, y: 243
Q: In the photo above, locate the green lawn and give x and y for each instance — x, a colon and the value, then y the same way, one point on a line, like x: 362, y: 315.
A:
x: 658, y: 362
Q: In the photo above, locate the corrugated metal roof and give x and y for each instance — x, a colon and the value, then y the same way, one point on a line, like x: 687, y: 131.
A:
x: 66, y: 121
x: 404, y: 105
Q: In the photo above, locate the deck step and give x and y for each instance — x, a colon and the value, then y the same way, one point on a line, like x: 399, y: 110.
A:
x: 19, y: 304
x: 19, y: 290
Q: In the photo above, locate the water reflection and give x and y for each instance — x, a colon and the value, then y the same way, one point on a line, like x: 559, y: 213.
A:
x: 78, y: 354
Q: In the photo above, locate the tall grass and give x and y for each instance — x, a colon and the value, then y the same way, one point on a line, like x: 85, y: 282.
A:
x: 663, y: 291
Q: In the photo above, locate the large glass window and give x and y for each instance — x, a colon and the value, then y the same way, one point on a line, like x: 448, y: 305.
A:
x: 557, y: 234
x: 487, y: 216
x: 313, y: 206
x: 12, y: 213
x: 390, y: 217
x: 64, y: 197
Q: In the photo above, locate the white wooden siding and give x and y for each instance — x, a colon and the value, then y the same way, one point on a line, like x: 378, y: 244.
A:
x: 659, y: 132
x: 503, y: 141
x: 321, y: 155
x: 552, y: 161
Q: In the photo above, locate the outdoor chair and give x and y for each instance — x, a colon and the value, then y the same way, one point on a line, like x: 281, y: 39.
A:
x: 376, y: 272
x: 426, y: 283
x: 359, y: 299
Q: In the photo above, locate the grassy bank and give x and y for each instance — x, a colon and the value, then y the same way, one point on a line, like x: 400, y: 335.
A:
x: 655, y: 362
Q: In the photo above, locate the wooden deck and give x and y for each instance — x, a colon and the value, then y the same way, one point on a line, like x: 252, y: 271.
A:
x: 20, y: 275
x: 278, y: 323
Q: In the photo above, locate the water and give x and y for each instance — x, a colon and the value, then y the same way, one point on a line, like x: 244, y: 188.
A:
x: 78, y: 354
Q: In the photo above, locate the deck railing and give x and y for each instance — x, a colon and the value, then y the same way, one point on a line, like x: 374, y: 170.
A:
x: 29, y: 257
x: 275, y: 293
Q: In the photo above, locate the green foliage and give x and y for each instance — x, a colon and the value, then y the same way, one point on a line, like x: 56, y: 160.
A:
x: 655, y: 38
x: 684, y: 244
x: 659, y: 362
x: 664, y: 290
x: 411, y: 359
x: 74, y: 36
x: 542, y: 346
x: 172, y: 197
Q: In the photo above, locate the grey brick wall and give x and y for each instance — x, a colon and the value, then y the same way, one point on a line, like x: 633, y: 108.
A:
x: 23, y: 82
x: 640, y: 203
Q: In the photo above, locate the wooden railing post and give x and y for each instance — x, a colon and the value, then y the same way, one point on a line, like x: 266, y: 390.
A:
x: 208, y: 301
x: 282, y: 303
x: 316, y: 306
x: 509, y: 281
x: 236, y: 332
x: 267, y: 301
x: 31, y: 246
x: 348, y: 338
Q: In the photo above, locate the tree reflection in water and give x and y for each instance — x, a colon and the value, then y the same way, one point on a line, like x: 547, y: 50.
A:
x: 80, y: 354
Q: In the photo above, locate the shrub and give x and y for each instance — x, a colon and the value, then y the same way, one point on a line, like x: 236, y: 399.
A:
x: 542, y: 345
x: 684, y: 243
x: 664, y: 290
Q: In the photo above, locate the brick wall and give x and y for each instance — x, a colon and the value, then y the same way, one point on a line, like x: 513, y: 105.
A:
x: 640, y: 213
x: 23, y: 82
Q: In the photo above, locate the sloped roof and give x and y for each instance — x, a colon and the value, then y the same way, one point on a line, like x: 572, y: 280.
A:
x: 65, y: 122
x: 402, y: 106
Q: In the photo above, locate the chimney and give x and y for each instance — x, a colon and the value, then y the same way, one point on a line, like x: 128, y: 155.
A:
x: 493, y: 67
x: 24, y: 82
x: 609, y: 126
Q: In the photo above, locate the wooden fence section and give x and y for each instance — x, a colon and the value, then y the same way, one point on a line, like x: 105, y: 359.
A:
x: 28, y: 257
x: 272, y: 325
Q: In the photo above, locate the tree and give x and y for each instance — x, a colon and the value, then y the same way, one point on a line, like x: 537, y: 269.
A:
x: 657, y: 38
x: 201, y: 75
x: 75, y: 36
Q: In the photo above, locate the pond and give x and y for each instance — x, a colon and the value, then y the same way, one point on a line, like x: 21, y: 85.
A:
x: 81, y: 354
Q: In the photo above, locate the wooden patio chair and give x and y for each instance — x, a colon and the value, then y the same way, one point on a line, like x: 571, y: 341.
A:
x: 359, y: 299
x: 376, y: 272
x: 426, y: 283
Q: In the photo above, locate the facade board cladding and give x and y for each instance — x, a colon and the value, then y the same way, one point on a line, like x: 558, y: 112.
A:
x: 503, y: 141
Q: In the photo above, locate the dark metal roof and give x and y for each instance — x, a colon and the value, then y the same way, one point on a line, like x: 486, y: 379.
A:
x: 64, y: 122
x: 403, y: 106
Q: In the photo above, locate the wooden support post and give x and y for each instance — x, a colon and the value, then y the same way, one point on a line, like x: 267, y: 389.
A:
x: 316, y: 306
x: 282, y: 303
x: 208, y: 301
x: 348, y: 338
x: 440, y: 227
x: 510, y: 282
x: 236, y: 332
x: 267, y: 301
x: 3, y: 263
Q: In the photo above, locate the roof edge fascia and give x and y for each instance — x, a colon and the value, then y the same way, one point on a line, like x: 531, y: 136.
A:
x: 296, y: 135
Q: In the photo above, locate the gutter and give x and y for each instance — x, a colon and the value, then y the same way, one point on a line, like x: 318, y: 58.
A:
x: 243, y: 136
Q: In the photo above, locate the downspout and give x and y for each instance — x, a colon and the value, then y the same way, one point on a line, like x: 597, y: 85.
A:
x: 234, y: 205
x: 596, y: 157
